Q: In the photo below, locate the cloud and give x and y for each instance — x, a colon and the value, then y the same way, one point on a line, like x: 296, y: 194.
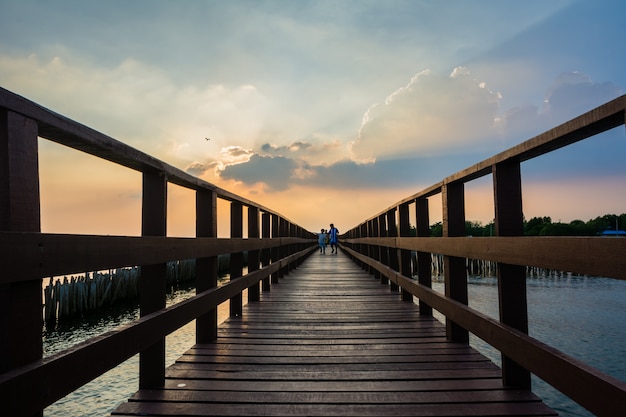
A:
x: 428, y: 130
x: 140, y: 104
x: 434, y: 115
x: 574, y: 93
x: 275, y: 172
x: 431, y: 114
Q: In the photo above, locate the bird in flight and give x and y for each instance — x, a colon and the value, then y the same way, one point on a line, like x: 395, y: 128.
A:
x: 207, y: 138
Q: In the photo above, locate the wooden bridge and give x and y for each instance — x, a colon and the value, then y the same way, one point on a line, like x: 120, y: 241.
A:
x: 346, y: 334
x: 330, y: 340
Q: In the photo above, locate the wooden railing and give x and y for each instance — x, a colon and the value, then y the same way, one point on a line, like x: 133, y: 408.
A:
x: 382, y: 245
x: 29, y: 382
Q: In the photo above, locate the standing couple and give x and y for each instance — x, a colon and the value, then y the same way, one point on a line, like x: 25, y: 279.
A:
x: 329, y: 237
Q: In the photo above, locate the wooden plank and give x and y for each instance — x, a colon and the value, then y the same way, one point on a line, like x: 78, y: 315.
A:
x: 323, y: 343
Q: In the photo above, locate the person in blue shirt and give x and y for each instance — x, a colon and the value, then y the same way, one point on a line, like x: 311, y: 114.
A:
x: 333, y: 236
x: 321, y: 239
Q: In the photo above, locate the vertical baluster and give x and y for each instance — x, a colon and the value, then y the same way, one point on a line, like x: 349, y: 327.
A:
x: 509, y: 221
x: 367, y: 230
x: 20, y: 340
x: 405, y: 255
x: 236, y: 259
x: 254, y: 292
x: 392, y: 231
x: 206, y: 267
x: 265, y: 253
x: 283, y: 250
x: 361, y: 247
x: 275, y: 249
x: 384, y: 253
x: 424, y: 263
x: 152, y: 280
x: 292, y: 248
x: 453, y: 195
x: 375, y: 248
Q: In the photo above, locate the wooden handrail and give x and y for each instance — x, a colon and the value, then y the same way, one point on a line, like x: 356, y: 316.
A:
x: 27, y: 256
x: 42, y: 255
x: 371, y: 243
x: 598, y: 392
x: 25, y: 390
x: 28, y: 382
x: 537, y: 251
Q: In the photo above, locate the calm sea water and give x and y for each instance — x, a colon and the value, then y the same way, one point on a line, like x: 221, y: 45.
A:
x: 584, y: 317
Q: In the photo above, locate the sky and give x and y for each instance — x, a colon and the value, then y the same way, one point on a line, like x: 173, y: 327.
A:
x: 325, y: 111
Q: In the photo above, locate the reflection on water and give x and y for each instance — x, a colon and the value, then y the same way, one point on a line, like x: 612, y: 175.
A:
x: 584, y: 317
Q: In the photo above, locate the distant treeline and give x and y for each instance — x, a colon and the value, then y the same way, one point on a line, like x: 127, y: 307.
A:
x: 543, y: 226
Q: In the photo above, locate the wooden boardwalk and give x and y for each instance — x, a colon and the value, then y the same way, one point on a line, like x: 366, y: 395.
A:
x: 330, y: 340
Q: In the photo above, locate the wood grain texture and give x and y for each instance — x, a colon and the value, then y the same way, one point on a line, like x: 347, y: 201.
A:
x: 329, y: 339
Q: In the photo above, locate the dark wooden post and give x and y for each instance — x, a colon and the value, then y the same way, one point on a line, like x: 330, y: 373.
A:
x: 152, y: 282
x: 453, y: 195
x: 384, y: 253
x: 254, y: 292
x: 362, y: 248
x: 275, y: 249
x: 424, y: 268
x: 265, y: 253
x: 369, y: 229
x: 206, y: 268
x: 392, y: 231
x: 293, y: 248
x: 283, y: 251
x: 375, y: 249
x: 405, y: 255
x: 236, y: 259
x: 509, y: 221
x: 21, y: 319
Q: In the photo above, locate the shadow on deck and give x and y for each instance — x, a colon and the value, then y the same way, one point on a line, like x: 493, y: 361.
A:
x: 331, y: 340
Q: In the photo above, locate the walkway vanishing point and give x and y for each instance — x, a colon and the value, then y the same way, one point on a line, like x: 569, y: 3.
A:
x: 330, y: 340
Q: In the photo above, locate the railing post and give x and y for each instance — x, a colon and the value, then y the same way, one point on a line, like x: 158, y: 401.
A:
x: 405, y: 255
x: 283, y: 250
x: 384, y: 253
x: 375, y: 249
x: 152, y: 282
x: 359, y: 232
x: 275, y: 249
x: 369, y: 249
x: 236, y: 259
x: 293, y: 248
x: 206, y: 268
x: 509, y: 221
x: 254, y: 292
x: 265, y: 253
x: 392, y: 231
x: 424, y: 267
x: 453, y: 195
x: 21, y: 320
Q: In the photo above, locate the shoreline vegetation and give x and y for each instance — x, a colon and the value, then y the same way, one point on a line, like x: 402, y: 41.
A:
x: 544, y: 226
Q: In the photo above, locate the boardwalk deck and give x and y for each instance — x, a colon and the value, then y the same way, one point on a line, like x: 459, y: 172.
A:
x: 329, y: 340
